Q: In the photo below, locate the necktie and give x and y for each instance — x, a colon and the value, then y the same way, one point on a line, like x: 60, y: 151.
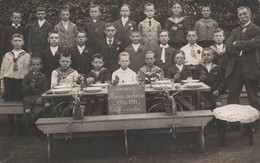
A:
x: 192, y: 51
x: 109, y: 43
x: 163, y: 52
x: 150, y: 23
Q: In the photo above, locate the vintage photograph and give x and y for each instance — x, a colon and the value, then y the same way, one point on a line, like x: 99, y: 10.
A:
x: 130, y: 81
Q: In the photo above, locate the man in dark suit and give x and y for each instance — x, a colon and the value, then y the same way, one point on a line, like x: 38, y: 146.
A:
x: 243, y: 67
x: 110, y: 47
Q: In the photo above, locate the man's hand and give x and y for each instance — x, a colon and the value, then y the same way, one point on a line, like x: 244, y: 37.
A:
x: 216, y: 93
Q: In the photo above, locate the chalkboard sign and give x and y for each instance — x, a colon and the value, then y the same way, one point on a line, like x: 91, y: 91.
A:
x: 126, y: 99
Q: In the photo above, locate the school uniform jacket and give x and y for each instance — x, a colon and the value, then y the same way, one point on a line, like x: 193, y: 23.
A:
x: 123, y: 32
x: 214, y: 78
x: 37, y: 37
x: 169, y: 55
x: 150, y: 33
x: 111, y: 55
x: 81, y: 62
x: 67, y: 37
x: 220, y: 58
x: 172, y: 71
x: 136, y: 57
x: 95, y: 32
x: 104, y: 75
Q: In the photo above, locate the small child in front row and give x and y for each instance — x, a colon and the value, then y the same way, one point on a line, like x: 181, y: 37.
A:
x: 178, y: 71
x: 13, y: 69
x: 33, y: 86
x: 123, y: 74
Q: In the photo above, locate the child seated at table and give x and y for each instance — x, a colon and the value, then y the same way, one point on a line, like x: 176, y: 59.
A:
x: 123, y: 74
x: 149, y: 72
x: 64, y: 75
x: 33, y: 86
x: 178, y: 71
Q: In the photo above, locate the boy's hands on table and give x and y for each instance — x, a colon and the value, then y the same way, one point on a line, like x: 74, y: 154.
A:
x: 177, y: 75
x: 116, y: 80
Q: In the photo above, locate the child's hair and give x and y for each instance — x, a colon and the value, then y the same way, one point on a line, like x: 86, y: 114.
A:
x: 81, y: 31
x: 125, y: 5
x: 124, y: 54
x: 17, y: 12
x: 219, y: 30
x: 41, y: 9
x: 97, y: 55
x: 177, y: 2
x: 164, y: 30
x: 191, y: 30
x: 17, y: 35
x: 209, y: 50
x: 94, y: 6
x: 65, y: 54
x: 51, y: 32
x: 134, y: 31
x: 147, y: 5
x: 64, y: 9
x: 149, y: 52
x: 109, y: 24
x: 179, y: 52
x: 36, y: 59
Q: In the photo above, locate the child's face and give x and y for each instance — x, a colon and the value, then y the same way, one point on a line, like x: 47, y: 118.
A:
x: 176, y: 9
x: 125, y: 12
x: 207, y: 56
x: 54, y: 39
x: 65, y: 62
x: 191, y: 37
x: 124, y: 62
x: 16, y: 18
x: 179, y: 59
x: 149, y: 59
x: 81, y: 39
x: 17, y: 43
x: 219, y: 37
x: 97, y: 63
x: 149, y: 12
x: 36, y: 65
x: 205, y: 12
x: 110, y: 31
x: 40, y: 15
x: 164, y: 38
x: 94, y: 13
x: 135, y: 38
x: 65, y: 15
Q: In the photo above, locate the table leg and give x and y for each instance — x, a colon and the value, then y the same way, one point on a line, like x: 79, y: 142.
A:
x: 198, y: 99
x: 201, y: 138
x: 49, y: 147
x: 126, y: 144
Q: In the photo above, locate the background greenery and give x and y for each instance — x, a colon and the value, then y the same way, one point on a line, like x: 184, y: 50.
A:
x: 224, y: 11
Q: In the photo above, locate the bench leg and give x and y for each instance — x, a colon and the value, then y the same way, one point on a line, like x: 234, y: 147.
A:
x: 201, y: 138
x: 126, y: 144
x: 249, y: 131
x: 49, y: 147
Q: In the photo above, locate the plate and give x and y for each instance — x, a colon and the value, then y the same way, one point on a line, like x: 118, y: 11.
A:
x: 190, y: 81
x: 62, y: 86
x: 92, y: 89
x: 193, y: 85
x: 61, y: 90
x: 99, y: 85
x: 162, y: 82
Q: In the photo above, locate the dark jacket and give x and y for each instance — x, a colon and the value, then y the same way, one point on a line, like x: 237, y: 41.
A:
x: 172, y: 71
x: 104, y: 75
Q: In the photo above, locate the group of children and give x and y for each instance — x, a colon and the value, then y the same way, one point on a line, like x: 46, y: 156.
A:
x: 119, y: 52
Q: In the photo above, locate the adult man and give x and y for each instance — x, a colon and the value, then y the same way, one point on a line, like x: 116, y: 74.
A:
x: 243, y: 66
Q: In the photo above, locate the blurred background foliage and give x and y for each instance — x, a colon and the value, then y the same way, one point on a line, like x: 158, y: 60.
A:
x: 223, y: 11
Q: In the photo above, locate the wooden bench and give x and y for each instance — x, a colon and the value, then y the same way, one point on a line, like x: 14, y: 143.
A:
x: 11, y: 107
x: 187, y: 121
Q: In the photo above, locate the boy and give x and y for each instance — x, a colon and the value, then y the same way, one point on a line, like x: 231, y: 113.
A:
x: 110, y: 47
x: 124, y: 26
x: 192, y: 50
x: 136, y: 51
x: 64, y: 75
x: 95, y: 27
x: 149, y: 68
x: 123, y: 74
x: 210, y: 74
x: 178, y: 71
x: 220, y: 56
x: 205, y: 27
x: 51, y: 55
x: 38, y: 33
x: 81, y: 54
x: 164, y: 53
x: 66, y: 29
x: 10, y: 30
x: 33, y: 86
x: 14, y: 67
x: 149, y: 28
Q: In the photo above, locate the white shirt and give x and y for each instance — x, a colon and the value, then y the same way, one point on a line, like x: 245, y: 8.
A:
x: 16, y: 53
x: 16, y: 26
x: 208, y: 66
x: 41, y: 22
x: 65, y: 24
x: 110, y: 39
x: 189, y: 60
x: 220, y: 47
x: 125, y: 76
x: 54, y: 50
x: 179, y: 67
x: 124, y: 20
x: 136, y: 46
x: 94, y: 20
x: 81, y: 49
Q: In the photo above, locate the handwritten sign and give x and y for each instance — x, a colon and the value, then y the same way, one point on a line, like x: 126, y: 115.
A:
x: 126, y: 99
